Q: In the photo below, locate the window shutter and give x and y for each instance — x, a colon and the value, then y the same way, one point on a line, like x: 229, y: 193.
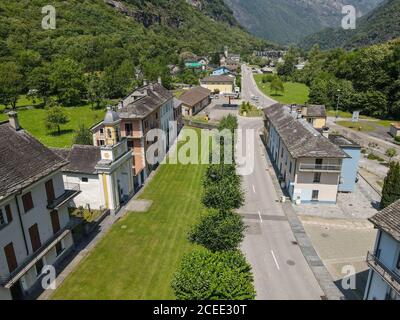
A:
x: 9, y: 213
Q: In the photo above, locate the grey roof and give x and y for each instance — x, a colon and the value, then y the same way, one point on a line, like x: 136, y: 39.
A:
x: 23, y: 160
x: 300, y: 138
x: 177, y: 103
x: 388, y: 220
x: 82, y: 158
x: 143, y: 101
x: 195, y: 95
x: 111, y: 117
x: 220, y: 78
x: 314, y: 110
x: 342, y: 141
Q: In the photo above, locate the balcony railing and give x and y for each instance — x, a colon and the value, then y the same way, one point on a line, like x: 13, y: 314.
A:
x: 320, y: 167
x: 391, y: 278
x: 71, y: 191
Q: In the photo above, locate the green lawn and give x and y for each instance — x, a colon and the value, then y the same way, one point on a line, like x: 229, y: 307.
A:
x: 294, y: 92
x: 359, y: 126
x: 33, y: 120
x: 139, y: 255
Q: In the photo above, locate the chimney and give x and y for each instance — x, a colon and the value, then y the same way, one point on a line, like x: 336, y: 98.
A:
x: 13, y: 120
x: 159, y: 81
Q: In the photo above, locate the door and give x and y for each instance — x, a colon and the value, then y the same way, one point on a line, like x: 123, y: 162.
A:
x: 315, y: 195
x: 10, y: 257
x: 35, y: 237
x: 55, y: 221
x: 50, y: 191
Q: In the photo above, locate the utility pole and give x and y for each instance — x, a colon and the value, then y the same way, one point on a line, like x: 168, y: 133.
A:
x: 337, y: 105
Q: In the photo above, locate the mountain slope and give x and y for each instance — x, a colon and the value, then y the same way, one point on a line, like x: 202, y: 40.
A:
x: 380, y: 25
x: 288, y: 21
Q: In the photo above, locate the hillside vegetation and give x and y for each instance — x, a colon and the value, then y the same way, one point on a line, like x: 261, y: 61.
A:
x: 102, y: 48
x: 379, y: 26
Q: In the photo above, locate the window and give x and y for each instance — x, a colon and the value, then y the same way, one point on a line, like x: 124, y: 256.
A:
x: 27, y: 202
x: 146, y: 124
x: 84, y: 179
x: 290, y: 167
x: 317, y: 177
x: 2, y: 220
x: 50, y: 191
x: 35, y: 237
x: 8, y: 213
x: 130, y: 144
x: 39, y: 267
x: 398, y: 262
x: 101, y: 131
x: 319, y: 161
x: 59, y: 248
x: 109, y: 133
x: 128, y: 129
x: 315, y: 195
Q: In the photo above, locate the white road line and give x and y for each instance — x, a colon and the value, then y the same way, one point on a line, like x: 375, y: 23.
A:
x: 259, y: 214
x: 276, y: 261
x: 254, y: 189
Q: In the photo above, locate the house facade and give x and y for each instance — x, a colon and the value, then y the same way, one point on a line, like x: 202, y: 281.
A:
x: 194, y: 100
x: 308, y: 164
x: 223, y: 84
x: 148, y: 107
x: 35, y: 228
x: 384, y: 261
x: 103, y: 173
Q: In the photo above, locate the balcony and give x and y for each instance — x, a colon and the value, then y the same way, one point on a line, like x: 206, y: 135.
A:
x: 71, y: 191
x: 391, y: 278
x: 312, y: 167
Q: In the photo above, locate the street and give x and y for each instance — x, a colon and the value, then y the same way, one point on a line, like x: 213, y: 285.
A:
x: 279, y: 267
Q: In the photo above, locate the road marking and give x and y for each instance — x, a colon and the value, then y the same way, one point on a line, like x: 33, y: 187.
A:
x: 276, y: 261
x: 259, y: 214
x: 254, y: 189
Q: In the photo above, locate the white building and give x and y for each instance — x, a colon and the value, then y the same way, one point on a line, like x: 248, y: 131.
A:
x: 384, y: 261
x: 35, y: 226
x: 104, y: 173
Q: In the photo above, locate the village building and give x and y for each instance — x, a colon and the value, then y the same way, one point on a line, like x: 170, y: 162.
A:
x: 384, y: 261
x: 194, y: 100
x: 223, y: 84
x: 148, y: 107
x: 309, y: 166
x: 313, y: 114
x: 35, y: 227
x: 103, y: 173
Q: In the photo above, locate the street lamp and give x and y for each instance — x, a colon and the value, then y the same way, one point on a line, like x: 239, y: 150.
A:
x: 337, y: 105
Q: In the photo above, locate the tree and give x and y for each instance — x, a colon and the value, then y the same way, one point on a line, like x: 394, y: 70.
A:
x: 10, y: 84
x: 83, y: 136
x: 391, y: 153
x: 55, y: 118
x: 391, y: 186
x: 223, y: 195
x: 96, y: 90
x: 38, y: 79
x: 204, y: 275
x: 219, y: 231
x: 277, y: 85
x: 229, y: 122
x: 67, y: 81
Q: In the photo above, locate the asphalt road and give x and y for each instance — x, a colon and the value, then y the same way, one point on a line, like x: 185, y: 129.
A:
x: 279, y: 267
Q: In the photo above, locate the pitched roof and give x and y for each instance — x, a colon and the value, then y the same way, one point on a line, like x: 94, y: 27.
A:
x: 23, y: 160
x: 220, y: 78
x: 314, y: 110
x: 388, y: 220
x: 194, y: 96
x: 177, y: 103
x: 300, y: 138
x: 82, y: 158
x: 342, y: 141
x: 143, y: 101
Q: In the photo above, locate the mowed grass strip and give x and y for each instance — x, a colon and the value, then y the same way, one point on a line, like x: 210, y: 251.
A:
x: 294, y: 92
x: 139, y: 255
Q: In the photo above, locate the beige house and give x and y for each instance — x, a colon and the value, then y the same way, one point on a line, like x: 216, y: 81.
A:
x: 224, y: 84
x: 35, y: 227
x: 308, y: 164
x: 194, y: 100
x: 313, y: 114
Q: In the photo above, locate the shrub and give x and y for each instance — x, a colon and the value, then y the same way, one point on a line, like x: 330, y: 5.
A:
x: 391, y: 187
x: 223, y: 195
x: 229, y: 122
x: 219, y: 231
x: 204, y: 275
x: 218, y: 172
x: 269, y: 78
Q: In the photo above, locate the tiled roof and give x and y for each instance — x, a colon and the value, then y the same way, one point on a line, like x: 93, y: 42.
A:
x: 342, y: 141
x: 82, y: 158
x: 388, y: 220
x: 300, y: 138
x: 194, y: 96
x: 221, y: 78
x: 143, y: 101
x: 314, y: 110
x: 23, y: 160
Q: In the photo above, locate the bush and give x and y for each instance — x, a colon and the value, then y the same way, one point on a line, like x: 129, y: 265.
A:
x: 219, y: 232
x: 391, y: 187
x: 229, y: 122
x: 218, y: 172
x: 269, y: 78
x: 204, y: 275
